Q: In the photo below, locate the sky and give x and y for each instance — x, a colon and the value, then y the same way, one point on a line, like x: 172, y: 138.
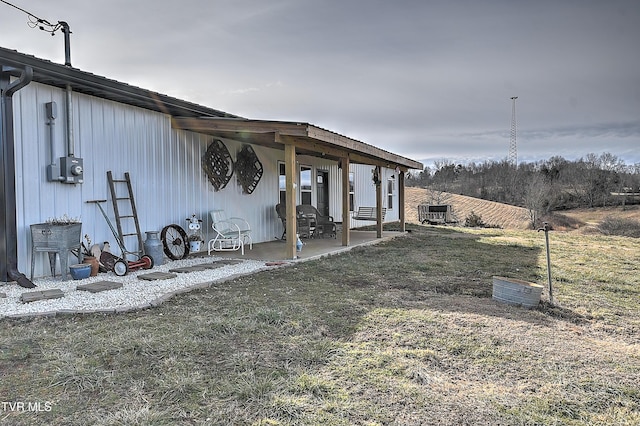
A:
x: 431, y: 80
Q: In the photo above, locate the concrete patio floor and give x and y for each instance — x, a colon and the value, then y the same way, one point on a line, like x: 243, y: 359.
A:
x: 273, y: 251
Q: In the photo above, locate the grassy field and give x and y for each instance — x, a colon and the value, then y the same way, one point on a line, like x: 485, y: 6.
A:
x: 404, y: 332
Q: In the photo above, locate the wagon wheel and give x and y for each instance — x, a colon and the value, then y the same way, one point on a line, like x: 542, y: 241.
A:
x: 174, y: 242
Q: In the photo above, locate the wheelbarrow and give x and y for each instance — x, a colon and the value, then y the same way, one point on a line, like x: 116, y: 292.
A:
x: 120, y: 265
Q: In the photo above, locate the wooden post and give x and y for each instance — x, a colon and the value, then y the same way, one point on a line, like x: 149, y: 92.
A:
x: 290, y: 179
x: 401, y: 201
x: 346, y: 219
x: 379, y: 203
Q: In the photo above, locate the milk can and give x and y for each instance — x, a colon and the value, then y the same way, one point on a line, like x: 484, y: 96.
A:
x: 153, y: 247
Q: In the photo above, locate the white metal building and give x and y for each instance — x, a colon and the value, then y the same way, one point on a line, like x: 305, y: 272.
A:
x: 161, y: 141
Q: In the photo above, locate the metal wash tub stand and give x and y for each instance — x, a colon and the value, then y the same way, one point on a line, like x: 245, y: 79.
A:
x: 56, y: 239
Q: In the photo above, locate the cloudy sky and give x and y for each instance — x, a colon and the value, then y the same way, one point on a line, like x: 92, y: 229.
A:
x: 427, y: 79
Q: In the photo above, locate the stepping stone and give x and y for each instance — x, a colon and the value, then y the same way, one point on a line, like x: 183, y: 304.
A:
x: 196, y: 268
x: 185, y: 269
x: 214, y: 265
x: 157, y: 276
x: 99, y: 286
x: 230, y: 261
x: 32, y: 296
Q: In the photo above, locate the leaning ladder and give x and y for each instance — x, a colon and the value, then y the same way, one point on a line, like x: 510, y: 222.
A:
x: 124, y: 208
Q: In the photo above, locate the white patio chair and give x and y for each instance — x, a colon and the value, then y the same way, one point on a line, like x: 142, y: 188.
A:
x: 229, y: 233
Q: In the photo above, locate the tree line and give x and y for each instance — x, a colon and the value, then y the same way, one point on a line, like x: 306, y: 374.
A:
x: 541, y: 186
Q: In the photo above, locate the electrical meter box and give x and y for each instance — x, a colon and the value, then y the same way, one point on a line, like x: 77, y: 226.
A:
x: 71, y: 170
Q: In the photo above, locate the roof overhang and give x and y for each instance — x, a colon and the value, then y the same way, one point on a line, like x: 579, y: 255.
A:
x: 57, y: 75
x: 307, y: 138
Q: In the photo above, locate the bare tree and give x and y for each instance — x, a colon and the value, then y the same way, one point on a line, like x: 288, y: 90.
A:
x: 437, y: 197
x: 536, y: 198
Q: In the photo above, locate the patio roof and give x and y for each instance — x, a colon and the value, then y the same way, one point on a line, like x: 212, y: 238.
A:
x: 308, y: 139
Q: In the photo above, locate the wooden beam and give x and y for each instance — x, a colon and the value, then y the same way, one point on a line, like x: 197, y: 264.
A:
x: 346, y: 219
x: 401, y: 200
x: 307, y: 137
x: 379, y: 204
x: 290, y: 204
x: 208, y: 124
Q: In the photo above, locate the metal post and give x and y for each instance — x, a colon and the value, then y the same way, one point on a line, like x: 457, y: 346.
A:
x: 546, y: 237
x: 67, y: 42
x: 346, y: 218
x: 379, y: 202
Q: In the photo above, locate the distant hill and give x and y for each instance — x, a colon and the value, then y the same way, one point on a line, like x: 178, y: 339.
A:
x: 493, y: 214
x: 588, y: 221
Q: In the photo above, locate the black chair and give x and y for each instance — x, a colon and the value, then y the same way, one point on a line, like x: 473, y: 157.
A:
x: 323, y: 225
x: 282, y: 215
x: 304, y: 224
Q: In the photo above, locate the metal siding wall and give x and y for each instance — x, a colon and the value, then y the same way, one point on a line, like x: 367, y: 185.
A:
x: 335, y: 191
x: 168, y: 182
x: 257, y: 208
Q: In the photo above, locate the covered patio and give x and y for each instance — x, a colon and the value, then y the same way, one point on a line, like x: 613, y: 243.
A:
x: 297, y: 138
x: 276, y: 250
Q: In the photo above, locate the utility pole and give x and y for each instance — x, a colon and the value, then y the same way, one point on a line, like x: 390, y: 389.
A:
x: 513, y: 147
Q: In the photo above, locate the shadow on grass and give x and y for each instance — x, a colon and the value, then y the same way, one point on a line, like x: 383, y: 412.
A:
x: 431, y: 261
x: 559, y: 312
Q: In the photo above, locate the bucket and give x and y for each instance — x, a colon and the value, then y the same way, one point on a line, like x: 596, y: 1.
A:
x: 194, y: 246
x: 516, y: 292
x: 80, y: 271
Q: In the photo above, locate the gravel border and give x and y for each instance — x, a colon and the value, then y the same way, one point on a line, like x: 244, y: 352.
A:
x: 135, y: 294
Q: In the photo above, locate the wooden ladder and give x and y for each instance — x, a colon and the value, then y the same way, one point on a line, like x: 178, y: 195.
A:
x: 124, y: 208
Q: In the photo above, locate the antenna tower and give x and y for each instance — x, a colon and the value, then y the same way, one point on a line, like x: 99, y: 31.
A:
x: 513, y: 147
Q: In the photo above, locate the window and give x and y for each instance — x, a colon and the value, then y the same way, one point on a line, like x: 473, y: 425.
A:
x: 305, y: 184
x: 351, y: 190
x: 282, y: 183
x: 391, y: 184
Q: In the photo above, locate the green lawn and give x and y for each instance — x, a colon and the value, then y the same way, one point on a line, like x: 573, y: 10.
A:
x: 404, y: 332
